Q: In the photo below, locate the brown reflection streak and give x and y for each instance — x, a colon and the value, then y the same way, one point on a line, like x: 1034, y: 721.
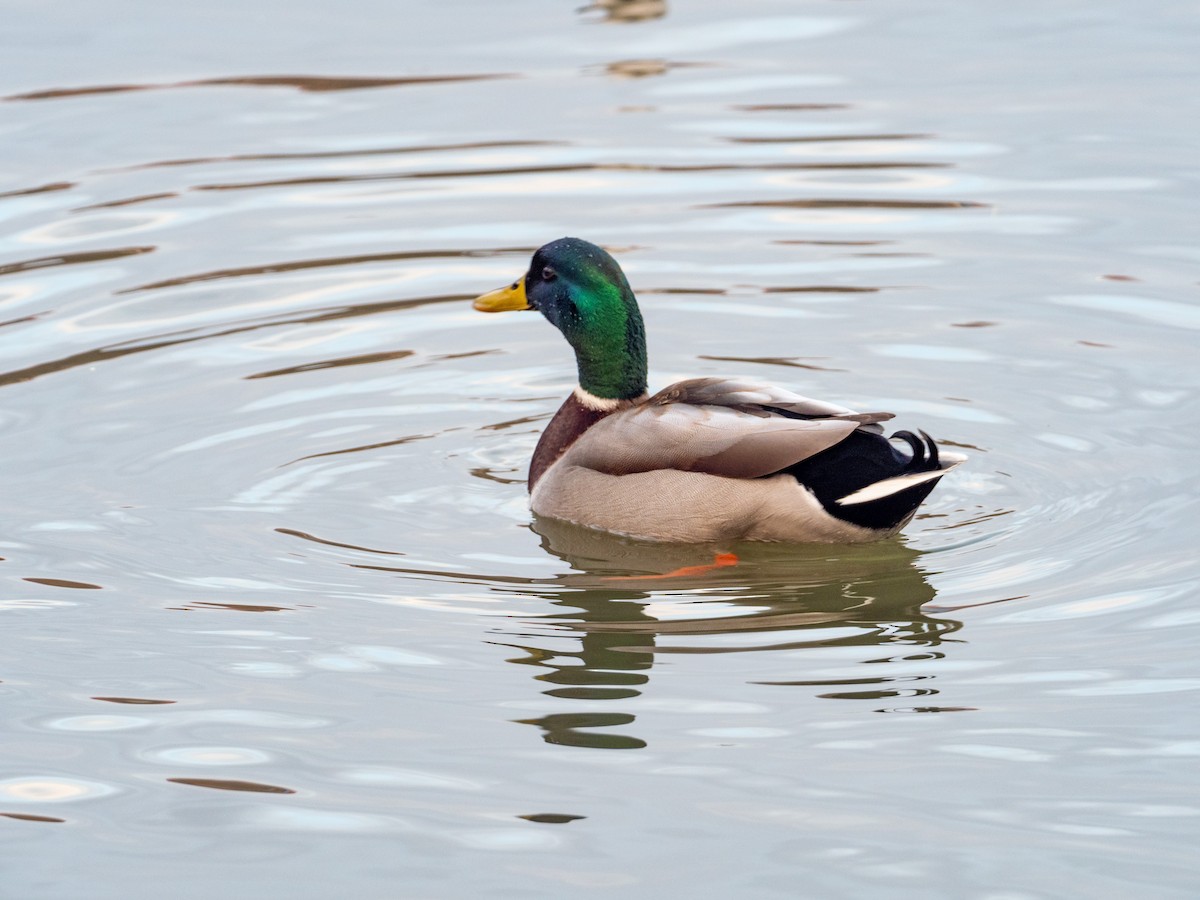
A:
x: 823, y: 289
x: 512, y: 423
x: 310, y: 83
x: 466, y: 577
x: 116, y: 351
x: 643, y: 68
x: 137, y: 701
x: 225, y: 784
x: 850, y: 203
x: 63, y: 583
x: 319, y: 84
x: 397, y: 176
x: 561, y: 169
x: 767, y: 167
x: 303, y: 535
x: 837, y: 243
x: 55, y: 93
x: 710, y: 292
x: 833, y: 682
x: 325, y: 262
x: 235, y: 607
x: 128, y: 201
x: 40, y: 189
x: 337, y: 154
x: 787, y: 107
x: 824, y: 138
x: 67, y: 259
x: 363, y: 360
x: 878, y: 695
x: 33, y: 317
x: 467, y: 354
x: 30, y: 817
x: 962, y: 444
x: 488, y: 474
x: 789, y: 361
x: 983, y: 517
x: 551, y: 818
x: 404, y: 440
x: 940, y: 609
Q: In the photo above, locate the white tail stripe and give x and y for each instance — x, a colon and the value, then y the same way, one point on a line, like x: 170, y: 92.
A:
x: 889, y: 486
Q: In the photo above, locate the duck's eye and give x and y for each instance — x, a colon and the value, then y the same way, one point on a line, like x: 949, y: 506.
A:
x: 548, y: 274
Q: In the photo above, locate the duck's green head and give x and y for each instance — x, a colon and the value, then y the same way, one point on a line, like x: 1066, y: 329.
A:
x: 584, y: 294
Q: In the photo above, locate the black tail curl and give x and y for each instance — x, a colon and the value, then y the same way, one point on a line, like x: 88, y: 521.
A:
x: 924, y: 451
x: 863, y: 459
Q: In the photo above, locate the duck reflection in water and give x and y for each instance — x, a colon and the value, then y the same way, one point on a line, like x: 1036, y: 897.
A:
x: 602, y: 643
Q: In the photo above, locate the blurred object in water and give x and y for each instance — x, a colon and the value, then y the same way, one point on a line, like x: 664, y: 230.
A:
x: 629, y: 10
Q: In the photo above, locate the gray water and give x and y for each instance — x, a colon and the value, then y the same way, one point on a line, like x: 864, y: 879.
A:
x: 277, y: 622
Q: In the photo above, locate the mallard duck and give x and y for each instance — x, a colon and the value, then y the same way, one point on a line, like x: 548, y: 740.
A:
x: 708, y: 459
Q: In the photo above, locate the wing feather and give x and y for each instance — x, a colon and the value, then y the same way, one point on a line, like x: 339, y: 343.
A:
x: 721, y: 426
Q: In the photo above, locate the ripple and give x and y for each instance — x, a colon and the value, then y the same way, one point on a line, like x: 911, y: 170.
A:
x: 1133, y: 687
x: 101, y: 225
x: 1105, y: 604
x: 99, y: 723
x: 505, y: 840
x: 71, y: 259
x: 53, y: 789
x: 137, y: 701
x: 31, y: 603
x: 254, y: 717
x: 395, y: 656
x: 929, y: 351
x: 122, y: 349
x: 827, y: 138
x: 331, y: 262
x: 740, y: 733
x: 207, y: 756
x: 994, y: 751
x: 354, y: 153
x: 264, y: 669
x: 293, y: 818
x: 408, y: 778
x: 1160, y: 312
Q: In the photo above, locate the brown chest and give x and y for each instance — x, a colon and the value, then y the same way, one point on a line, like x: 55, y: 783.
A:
x: 571, y: 420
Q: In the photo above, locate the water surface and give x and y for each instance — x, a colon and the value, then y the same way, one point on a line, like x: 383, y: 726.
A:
x: 279, y: 622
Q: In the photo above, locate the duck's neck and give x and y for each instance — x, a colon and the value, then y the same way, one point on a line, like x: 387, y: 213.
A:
x: 610, y: 347
x: 579, y: 412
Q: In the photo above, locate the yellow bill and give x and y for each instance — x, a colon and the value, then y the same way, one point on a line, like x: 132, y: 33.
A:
x: 504, y: 300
